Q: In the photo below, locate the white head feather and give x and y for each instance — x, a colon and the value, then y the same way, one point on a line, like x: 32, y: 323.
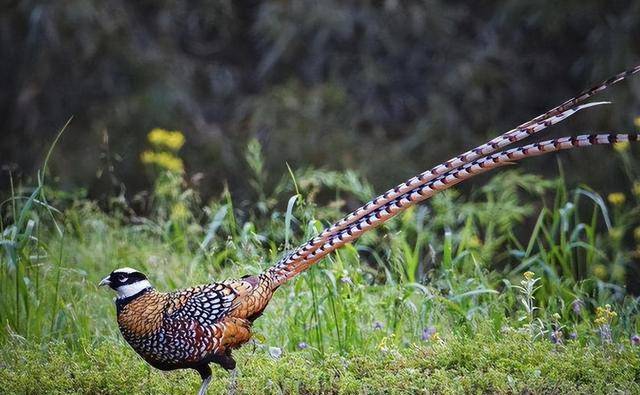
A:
x: 125, y: 270
x: 125, y: 291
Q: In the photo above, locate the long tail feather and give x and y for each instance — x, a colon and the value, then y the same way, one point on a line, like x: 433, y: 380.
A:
x: 285, y: 270
x: 537, y: 124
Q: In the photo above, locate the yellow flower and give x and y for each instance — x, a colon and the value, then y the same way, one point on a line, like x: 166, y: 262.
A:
x: 616, y: 198
x: 148, y: 157
x: 604, y: 315
x: 163, y: 159
x: 179, y: 212
x: 621, y: 146
x: 600, y: 271
x: 636, y: 121
x: 529, y: 275
x: 600, y: 321
x: 169, y: 162
x: 164, y: 138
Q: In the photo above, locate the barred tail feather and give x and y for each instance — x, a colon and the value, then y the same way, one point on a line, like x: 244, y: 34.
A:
x: 588, y: 93
x: 537, y: 124
x: 285, y: 269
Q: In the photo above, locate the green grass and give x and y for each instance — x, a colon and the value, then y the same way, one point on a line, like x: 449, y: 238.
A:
x: 479, y: 364
x: 434, y: 301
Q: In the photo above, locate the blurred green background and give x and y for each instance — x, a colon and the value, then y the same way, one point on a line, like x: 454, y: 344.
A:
x: 387, y: 88
x: 521, y: 281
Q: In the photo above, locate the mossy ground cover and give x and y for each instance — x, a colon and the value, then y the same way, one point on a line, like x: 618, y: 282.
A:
x: 481, y: 364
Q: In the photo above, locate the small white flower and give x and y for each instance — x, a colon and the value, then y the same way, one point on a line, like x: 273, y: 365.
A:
x: 275, y: 352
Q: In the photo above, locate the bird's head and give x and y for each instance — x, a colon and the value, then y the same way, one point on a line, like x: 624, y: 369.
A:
x: 126, y: 282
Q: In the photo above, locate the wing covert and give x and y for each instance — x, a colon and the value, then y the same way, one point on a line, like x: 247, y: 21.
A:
x: 206, y: 304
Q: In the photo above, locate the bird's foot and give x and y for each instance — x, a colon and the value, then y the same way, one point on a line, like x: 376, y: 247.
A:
x: 232, y: 382
x: 203, y: 387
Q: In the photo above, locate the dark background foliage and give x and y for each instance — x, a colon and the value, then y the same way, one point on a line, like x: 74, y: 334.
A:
x: 385, y: 87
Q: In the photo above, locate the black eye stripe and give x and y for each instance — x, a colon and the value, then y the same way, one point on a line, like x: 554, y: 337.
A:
x: 127, y: 278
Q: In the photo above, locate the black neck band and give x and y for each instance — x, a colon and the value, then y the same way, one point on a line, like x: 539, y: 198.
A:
x: 121, y: 302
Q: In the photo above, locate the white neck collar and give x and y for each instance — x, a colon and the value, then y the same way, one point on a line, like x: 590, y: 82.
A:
x: 128, y: 290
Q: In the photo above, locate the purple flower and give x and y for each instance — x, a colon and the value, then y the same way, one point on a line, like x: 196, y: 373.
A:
x: 573, y: 335
x: 302, y: 345
x: 577, y: 306
x: 605, y: 333
x: 556, y: 337
x: 346, y: 280
x: 428, y: 332
x: 635, y: 340
x: 378, y: 326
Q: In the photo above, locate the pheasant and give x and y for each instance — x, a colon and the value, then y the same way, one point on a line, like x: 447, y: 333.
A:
x: 194, y: 327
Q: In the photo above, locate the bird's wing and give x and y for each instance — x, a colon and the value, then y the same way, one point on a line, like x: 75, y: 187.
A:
x: 206, y: 304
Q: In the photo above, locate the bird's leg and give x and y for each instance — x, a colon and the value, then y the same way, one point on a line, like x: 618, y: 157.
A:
x: 205, y: 374
x: 203, y: 387
x: 233, y: 374
x: 227, y: 362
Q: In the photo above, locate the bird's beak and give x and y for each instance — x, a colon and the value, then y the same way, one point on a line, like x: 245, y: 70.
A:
x: 105, y: 281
